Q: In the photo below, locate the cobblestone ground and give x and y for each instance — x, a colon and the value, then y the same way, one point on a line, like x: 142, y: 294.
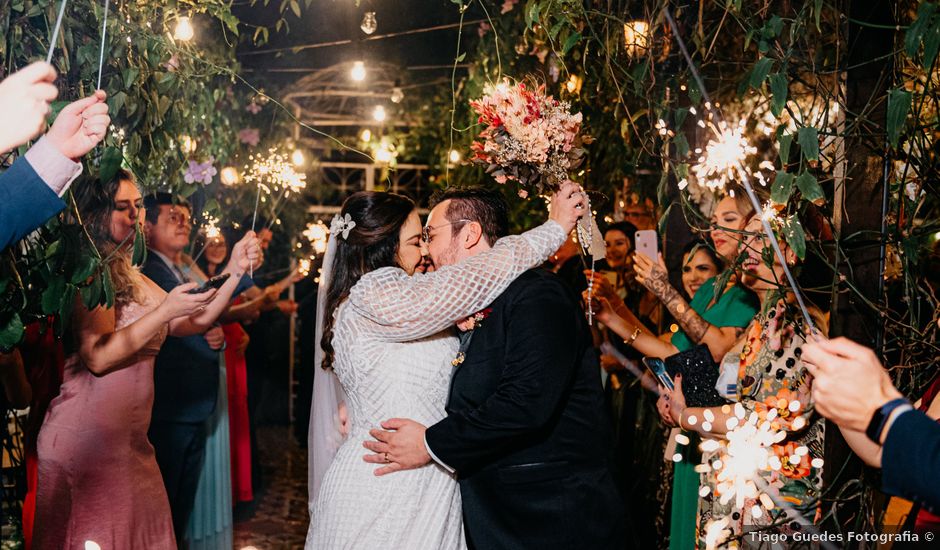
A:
x: 280, y: 518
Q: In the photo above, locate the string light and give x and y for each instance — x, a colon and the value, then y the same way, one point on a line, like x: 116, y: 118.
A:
x: 317, y: 234
x: 369, y: 24
x: 366, y: 135
x: 229, y: 176
x: 184, y: 31
x: 297, y: 157
x: 358, y: 72
x: 397, y: 95
x: 574, y: 84
x: 379, y: 113
x: 636, y: 37
x: 454, y: 156
x: 187, y: 144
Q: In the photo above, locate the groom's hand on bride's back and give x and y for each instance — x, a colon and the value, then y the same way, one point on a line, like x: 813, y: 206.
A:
x: 399, y: 446
x: 568, y: 205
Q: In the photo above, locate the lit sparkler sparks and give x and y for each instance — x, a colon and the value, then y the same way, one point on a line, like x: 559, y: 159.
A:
x: 724, y: 156
x: 274, y: 172
x: 317, y: 234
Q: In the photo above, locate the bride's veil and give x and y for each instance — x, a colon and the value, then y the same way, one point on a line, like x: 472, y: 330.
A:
x: 325, y: 434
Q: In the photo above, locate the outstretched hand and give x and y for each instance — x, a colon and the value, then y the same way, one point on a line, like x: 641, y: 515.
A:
x: 399, y: 446
x: 80, y: 126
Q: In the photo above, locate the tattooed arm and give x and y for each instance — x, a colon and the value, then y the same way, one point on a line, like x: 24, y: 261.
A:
x: 654, y: 277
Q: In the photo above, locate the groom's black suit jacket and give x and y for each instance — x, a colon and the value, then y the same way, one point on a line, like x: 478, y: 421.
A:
x: 527, y: 431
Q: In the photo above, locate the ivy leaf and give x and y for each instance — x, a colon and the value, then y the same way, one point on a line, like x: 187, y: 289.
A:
x: 808, y: 138
x: 116, y: 102
x: 899, y: 103
x: 778, y: 89
x: 68, y: 301
x: 110, y: 163
x: 108, y: 287
x: 760, y: 71
x: 570, y: 42
x: 810, y: 188
x: 91, y: 294
x: 140, y: 249
x: 87, y: 264
x: 461, y: 57
x: 795, y: 237
x: 52, y: 296
x: 785, y: 141
x: 782, y: 187
x: 682, y: 146
x: 130, y: 75
x: 12, y: 332
x: 818, y: 12
x: 295, y: 7
x: 915, y: 33
x: 931, y: 44
x: 532, y: 14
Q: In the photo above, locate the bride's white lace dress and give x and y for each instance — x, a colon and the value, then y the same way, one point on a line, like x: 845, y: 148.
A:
x: 394, y: 345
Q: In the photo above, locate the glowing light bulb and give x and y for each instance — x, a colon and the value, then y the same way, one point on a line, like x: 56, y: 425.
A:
x: 184, y: 29
x: 187, y: 144
x: 383, y: 155
x: 454, y: 156
x: 366, y: 135
x: 574, y: 84
x: 379, y: 113
x: 397, y: 95
x: 297, y: 157
x: 229, y: 176
x: 358, y: 72
x: 369, y: 24
x: 636, y: 37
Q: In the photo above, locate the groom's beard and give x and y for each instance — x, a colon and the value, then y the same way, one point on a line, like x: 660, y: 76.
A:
x: 448, y: 257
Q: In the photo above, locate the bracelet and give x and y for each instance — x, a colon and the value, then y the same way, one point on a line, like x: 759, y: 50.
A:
x: 632, y: 338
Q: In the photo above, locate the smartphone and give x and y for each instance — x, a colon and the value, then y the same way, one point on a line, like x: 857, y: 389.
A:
x: 215, y: 282
x: 647, y: 242
x: 658, y: 369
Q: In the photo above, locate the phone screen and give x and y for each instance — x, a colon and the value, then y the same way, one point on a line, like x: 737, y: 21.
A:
x: 658, y: 369
x: 647, y: 243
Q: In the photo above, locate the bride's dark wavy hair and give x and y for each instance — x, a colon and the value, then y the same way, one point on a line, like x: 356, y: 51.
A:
x: 372, y: 244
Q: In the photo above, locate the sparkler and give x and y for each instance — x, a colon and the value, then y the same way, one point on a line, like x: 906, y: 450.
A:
x: 317, y: 234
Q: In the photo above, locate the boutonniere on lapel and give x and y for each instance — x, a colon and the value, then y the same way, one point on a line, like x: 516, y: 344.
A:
x: 466, y: 326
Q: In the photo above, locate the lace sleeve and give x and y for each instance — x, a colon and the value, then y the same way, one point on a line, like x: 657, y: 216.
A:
x: 404, y: 307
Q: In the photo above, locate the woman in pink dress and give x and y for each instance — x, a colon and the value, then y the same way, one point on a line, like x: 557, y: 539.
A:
x: 98, y: 477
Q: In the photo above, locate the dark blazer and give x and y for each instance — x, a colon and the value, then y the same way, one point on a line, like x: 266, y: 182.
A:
x: 910, y: 460
x: 26, y: 202
x: 186, y: 373
x: 526, y: 431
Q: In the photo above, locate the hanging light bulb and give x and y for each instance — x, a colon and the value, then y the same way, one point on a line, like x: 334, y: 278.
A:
x: 358, y: 72
x: 574, y: 84
x: 229, y: 176
x: 636, y: 37
x: 379, y: 113
x: 366, y: 135
x: 184, y: 29
x: 369, y: 23
x: 383, y: 155
x: 454, y: 156
x: 297, y: 157
x: 397, y: 95
x: 187, y: 144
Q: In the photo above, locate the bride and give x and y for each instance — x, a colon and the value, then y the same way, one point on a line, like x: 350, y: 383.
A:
x: 385, y: 332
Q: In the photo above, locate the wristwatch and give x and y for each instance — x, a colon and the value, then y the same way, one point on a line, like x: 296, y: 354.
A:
x: 880, y: 418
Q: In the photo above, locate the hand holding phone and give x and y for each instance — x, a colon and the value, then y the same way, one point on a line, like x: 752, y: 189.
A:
x: 215, y: 282
x: 658, y: 369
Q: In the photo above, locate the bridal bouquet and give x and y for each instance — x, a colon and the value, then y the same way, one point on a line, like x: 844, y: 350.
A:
x: 529, y: 138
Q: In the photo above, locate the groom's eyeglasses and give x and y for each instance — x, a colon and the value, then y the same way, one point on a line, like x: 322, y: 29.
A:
x: 426, y: 232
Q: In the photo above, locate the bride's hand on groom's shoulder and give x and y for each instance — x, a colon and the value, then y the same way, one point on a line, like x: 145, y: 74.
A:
x: 568, y: 205
x: 398, y: 446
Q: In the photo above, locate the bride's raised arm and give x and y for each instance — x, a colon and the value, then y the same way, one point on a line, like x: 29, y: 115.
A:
x: 407, y: 307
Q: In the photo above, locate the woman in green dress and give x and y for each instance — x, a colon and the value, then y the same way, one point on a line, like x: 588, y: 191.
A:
x: 717, y: 323
x: 773, y: 386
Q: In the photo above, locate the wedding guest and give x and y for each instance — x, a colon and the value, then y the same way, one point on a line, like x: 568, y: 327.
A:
x: 25, y: 98
x: 186, y: 374
x: 214, y: 257
x: 853, y: 390
x: 640, y: 213
x: 98, y: 477
x: 772, y: 380
x: 31, y: 187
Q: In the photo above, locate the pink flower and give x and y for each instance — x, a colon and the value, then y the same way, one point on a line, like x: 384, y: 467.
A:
x: 508, y: 5
x: 249, y: 136
x: 253, y: 108
x: 201, y: 172
x: 523, y: 194
x: 483, y: 28
x: 172, y: 64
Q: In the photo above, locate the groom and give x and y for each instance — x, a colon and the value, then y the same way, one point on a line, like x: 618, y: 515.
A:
x: 526, y: 434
